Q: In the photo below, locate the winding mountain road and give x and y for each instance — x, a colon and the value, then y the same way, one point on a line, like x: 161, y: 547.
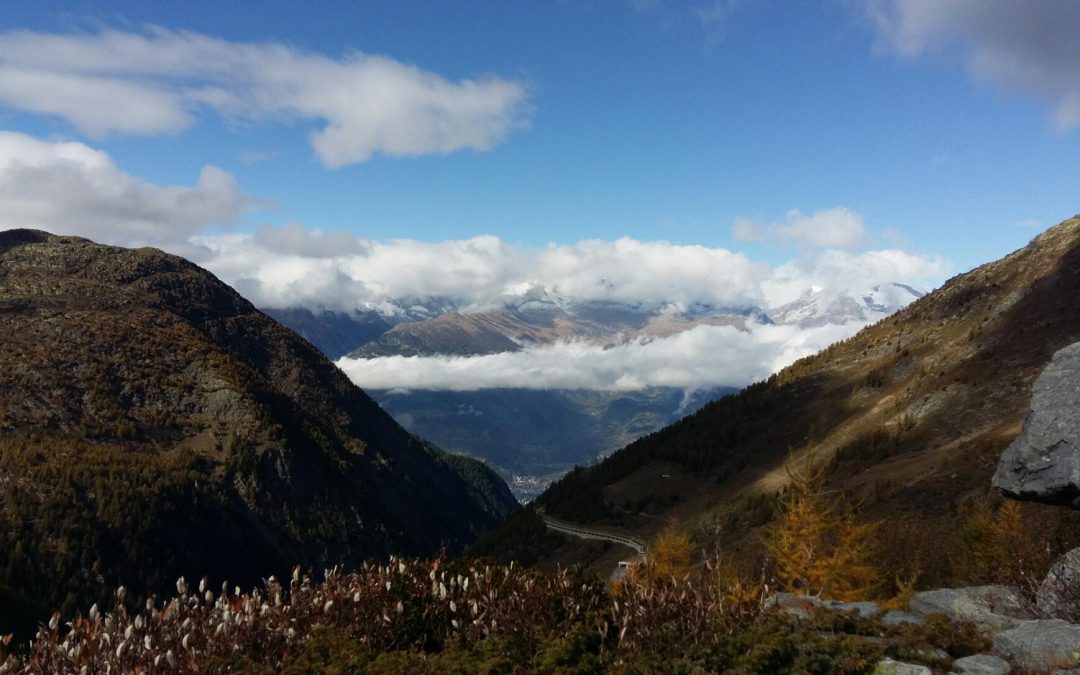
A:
x: 588, y: 533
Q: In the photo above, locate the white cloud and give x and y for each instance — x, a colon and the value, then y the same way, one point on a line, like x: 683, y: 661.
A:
x: 843, y: 272
x: 1029, y: 47
x: 705, y: 356
x: 829, y: 228
x: 71, y: 188
x: 292, y: 239
x: 291, y: 266
x: 478, y: 272
x: 160, y: 81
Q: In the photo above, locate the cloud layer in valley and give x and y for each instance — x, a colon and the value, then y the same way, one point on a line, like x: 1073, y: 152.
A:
x: 160, y: 81
x: 1029, y: 47
x: 704, y: 356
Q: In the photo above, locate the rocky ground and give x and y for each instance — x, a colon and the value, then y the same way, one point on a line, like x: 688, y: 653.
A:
x: 1027, y: 634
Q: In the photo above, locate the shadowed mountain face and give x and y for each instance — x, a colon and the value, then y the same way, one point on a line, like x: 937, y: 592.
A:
x: 534, y: 436
x: 153, y: 423
x: 913, y: 413
x: 334, y: 333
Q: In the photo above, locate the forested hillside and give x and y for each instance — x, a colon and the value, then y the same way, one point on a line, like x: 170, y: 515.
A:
x: 153, y: 423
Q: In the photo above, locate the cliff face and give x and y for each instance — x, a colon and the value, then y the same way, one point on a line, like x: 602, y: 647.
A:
x: 153, y: 423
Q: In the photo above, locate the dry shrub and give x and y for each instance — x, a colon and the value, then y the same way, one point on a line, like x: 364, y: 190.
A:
x: 466, y: 616
x: 406, y: 607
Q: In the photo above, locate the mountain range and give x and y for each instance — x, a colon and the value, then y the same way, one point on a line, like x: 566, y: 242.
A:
x: 154, y: 424
x: 532, y: 436
x: 441, y: 326
x: 909, y: 416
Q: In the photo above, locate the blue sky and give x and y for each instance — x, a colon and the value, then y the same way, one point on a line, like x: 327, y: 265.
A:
x: 642, y: 119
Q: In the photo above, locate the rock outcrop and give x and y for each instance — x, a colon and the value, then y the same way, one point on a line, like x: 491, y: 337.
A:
x: 1043, y: 463
x: 990, y: 607
x: 1019, y: 636
x: 1059, y: 594
x: 1040, y: 645
x: 981, y: 664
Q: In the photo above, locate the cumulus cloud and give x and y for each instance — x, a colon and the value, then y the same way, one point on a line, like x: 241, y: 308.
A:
x: 294, y: 240
x: 160, y: 81
x: 829, y: 228
x: 704, y: 356
x: 1029, y: 47
x: 843, y: 272
x: 292, y: 266
x: 71, y: 188
x: 479, y: 272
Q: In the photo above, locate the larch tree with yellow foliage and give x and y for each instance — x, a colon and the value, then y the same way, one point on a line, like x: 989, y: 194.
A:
x: 670, y: 555
x: 819, y: 547
x: 997, y: 547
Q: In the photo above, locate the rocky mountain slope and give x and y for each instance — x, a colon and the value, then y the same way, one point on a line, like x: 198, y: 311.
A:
x: 153, y: 423
x: 912, y: 412
x: 541, y: 317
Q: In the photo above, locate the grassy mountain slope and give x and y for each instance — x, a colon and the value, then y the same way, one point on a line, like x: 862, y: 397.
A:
x: 153, y: 423
x: 914, y: 412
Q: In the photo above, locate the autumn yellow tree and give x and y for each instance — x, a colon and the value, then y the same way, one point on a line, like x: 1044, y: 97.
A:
x: 995, y: 547
x: 818, y: 545
x: 670, y: 555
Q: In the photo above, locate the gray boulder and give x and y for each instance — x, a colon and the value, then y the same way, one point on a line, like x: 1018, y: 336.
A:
x: 981, y: 664
x: 1040, y: 645
x: 896, y: 617
x: 890, y: 667
x: 1058, y: 596
x: 804, y: 606
x: 1043, y: 463
x: 992, y: 608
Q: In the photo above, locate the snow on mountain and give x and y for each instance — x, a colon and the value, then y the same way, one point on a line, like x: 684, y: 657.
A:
x: 820, y: 307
